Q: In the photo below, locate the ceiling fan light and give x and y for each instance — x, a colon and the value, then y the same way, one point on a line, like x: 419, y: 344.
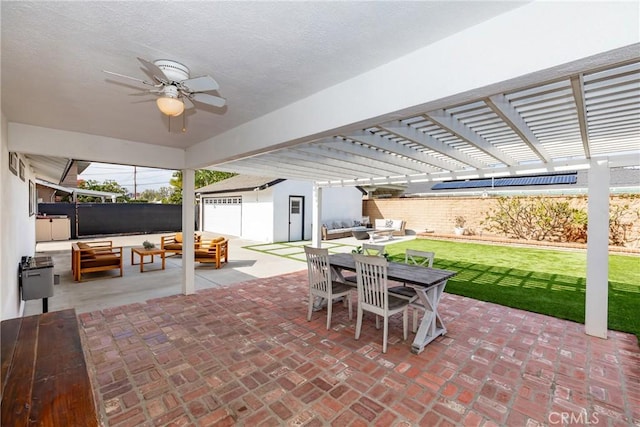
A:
x: 170, y: 106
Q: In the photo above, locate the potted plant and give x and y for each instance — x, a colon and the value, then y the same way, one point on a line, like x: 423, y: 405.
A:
x: 148, y: 245
x: 460, y: 221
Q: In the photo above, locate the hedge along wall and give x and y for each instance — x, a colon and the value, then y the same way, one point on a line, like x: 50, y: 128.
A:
x: 438, y: 213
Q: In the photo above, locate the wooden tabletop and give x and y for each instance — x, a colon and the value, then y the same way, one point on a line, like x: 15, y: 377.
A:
x: 407, y: 273
x: 144, y: 251
x: 44, y: 374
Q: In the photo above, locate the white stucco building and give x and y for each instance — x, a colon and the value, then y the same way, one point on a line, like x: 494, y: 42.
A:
x: 270, y: 209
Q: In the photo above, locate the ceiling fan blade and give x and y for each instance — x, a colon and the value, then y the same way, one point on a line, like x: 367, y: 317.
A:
x: 154, y: 70
x: 205, y: 98
x: 188, y: 105
x: 130, y: 78
x: 144, y: 93
x: 200, y: 84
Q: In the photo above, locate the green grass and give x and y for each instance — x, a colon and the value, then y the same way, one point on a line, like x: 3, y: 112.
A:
x: 543, y: 281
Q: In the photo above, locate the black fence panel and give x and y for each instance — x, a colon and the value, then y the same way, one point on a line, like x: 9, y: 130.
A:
x: 97, y: 219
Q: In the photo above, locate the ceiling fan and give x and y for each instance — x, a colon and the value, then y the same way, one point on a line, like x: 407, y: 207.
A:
x: 171, y: 81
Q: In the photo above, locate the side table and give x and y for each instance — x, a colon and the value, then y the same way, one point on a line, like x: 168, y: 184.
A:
x: 142, y: 252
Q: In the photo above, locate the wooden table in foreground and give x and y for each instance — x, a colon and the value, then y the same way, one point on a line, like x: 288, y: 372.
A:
x: 429, y: 284
x: 142, y: 252
x: 44, y: 374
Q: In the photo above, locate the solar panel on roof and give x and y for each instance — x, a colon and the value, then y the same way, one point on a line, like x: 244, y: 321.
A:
x: 570, y: 178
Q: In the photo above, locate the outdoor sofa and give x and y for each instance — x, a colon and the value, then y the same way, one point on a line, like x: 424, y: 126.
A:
x: 340, y: 229
x: 213, y: 251
x: 90, y: 257
x: 173, y: 243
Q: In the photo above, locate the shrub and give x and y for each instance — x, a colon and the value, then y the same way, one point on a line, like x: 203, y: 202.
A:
x: 539, y: 218
x: 535, y: 218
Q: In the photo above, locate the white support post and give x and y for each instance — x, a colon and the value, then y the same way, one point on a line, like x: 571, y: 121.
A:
x: 316, y: 216
x: 188, y: 230
x: 597, y: 250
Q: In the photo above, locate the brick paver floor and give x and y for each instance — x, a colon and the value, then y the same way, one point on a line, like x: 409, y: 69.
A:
x: 246, y: 355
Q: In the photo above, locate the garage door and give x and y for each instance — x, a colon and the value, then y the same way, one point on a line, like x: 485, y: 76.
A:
x: 222, y: 215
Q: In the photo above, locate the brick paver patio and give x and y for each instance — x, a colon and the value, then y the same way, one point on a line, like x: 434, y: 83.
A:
x: 246, y: 355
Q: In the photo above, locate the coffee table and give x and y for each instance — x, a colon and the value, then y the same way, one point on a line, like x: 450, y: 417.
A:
x: 142, y: 252
x: 380, y: 232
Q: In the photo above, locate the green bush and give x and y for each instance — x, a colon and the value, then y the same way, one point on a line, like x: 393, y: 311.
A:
x: 540, y: 218
x: 534, y: 218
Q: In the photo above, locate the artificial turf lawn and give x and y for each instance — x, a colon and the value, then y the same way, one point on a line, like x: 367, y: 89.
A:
x: 543, y: 281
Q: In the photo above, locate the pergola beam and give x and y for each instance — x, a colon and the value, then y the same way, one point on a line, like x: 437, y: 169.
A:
x: 386, y: 144
x: 414, y: 135
x: 400, y: 164
x: 577, y: 86
x: 501, y: 106
x: 451, y: 124
x: 341, y: 161
x: 270, y: 167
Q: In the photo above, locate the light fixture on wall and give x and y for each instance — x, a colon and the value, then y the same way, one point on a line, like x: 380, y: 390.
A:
x: 169, y: 103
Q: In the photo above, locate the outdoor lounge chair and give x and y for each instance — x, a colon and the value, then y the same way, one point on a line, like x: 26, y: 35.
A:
x: 214, y: 251
x: 173, y: 243
x: 95, y: 256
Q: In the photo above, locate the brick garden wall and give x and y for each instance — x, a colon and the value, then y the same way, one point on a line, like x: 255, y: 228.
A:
x: 438, y: 213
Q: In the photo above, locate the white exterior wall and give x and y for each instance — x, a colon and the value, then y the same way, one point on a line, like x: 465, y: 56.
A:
x: 281, y: 193
x: 265, y: 213
x: 340, y: 204
x: 257, y: 215
x: 17, y: 229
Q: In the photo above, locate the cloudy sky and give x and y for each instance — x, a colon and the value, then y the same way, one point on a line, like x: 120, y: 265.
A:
x: 145, y: 178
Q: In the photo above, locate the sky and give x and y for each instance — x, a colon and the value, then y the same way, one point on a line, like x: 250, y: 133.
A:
x: 145, y: 178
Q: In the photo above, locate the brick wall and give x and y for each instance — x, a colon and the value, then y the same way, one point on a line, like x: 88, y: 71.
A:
x: 438, y: 213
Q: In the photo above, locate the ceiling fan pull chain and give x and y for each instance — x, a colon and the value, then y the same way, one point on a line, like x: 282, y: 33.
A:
x: 184, y: 124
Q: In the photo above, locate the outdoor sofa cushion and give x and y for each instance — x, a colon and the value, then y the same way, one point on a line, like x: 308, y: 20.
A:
x: 173, y: 242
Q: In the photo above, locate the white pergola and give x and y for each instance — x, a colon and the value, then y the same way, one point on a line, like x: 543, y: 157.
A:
x: 545, y: 87
x: 586, y: 119
x: 557, y: 125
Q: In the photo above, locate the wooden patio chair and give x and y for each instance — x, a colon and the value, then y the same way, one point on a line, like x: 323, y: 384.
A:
x: 320, y: 282
x: 88, y: 257
x: 373, y: 296
x: 367, y: 249
x: 415, y: 257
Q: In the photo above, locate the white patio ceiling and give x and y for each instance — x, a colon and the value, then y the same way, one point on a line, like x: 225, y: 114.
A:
x: 357, y: 93
x: 551, y: 126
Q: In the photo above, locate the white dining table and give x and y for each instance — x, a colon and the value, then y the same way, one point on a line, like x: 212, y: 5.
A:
x: 429, y: 284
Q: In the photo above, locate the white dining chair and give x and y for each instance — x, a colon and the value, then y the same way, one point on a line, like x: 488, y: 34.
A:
x: 371, y: 250
x: 423, y: 259
x: 373, y: 296
x: 321, y: 284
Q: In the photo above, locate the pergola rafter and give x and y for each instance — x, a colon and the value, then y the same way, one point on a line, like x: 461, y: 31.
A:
x: 542, y: 127
x: 420, y: 138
